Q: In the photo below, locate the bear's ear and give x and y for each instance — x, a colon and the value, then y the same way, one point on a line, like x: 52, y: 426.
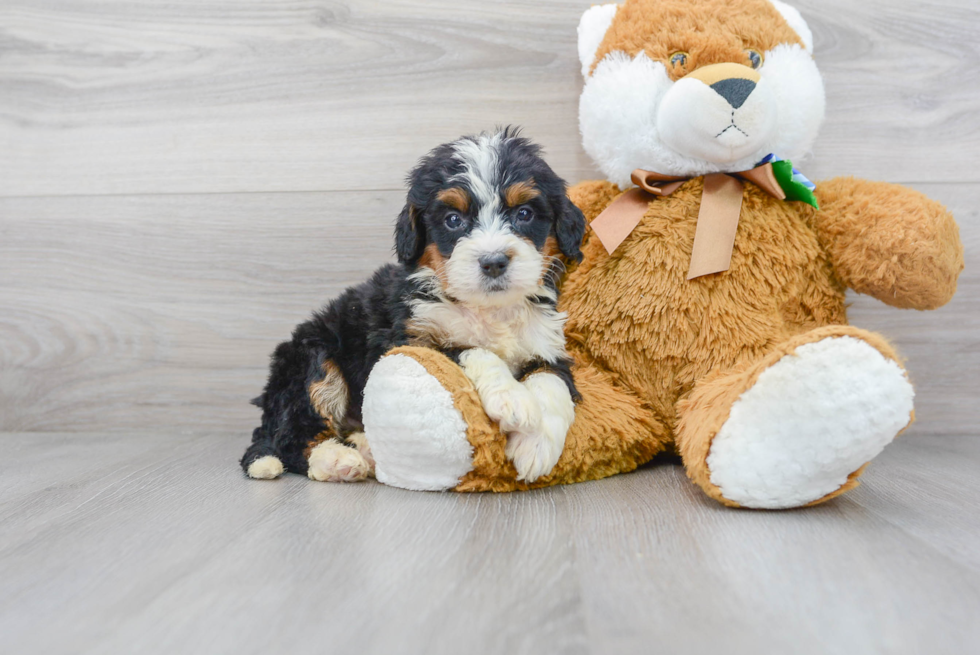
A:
x: 591, y: 30
x: 795, y: 20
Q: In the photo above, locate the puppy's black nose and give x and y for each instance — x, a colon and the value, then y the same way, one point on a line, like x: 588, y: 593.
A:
x: 494, y: 265
x: 735, y: 90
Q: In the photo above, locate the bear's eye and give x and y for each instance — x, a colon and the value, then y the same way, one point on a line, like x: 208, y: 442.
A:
x: 454, y: 221
x: 679, y: 59
x: 755, y: 58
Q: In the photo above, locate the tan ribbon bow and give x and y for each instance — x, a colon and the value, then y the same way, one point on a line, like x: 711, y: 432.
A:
x: 721, y: 206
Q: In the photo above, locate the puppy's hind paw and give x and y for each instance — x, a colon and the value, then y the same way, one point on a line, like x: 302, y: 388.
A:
x: 265, y: 468
x: 359, y: 440
x: 331, y: 461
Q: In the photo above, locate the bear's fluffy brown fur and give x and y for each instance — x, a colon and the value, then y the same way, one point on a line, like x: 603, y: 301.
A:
x: 659, y: 359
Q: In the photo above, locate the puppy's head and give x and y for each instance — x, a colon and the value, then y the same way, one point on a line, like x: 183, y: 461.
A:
x: 489, y: 217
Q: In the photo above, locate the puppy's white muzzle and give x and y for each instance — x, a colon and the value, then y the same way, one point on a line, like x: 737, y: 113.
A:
x: 477, y: 274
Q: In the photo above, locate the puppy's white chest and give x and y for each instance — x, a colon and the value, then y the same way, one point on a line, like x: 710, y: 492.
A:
x: 515, y: 334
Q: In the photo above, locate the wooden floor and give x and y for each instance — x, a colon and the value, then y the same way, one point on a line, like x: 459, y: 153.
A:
x: 182, y: 182
x: 154, y: 543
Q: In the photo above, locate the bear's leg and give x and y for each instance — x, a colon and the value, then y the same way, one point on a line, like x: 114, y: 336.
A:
x: 413, y: 416
x: 798, y: 426
x: 428, y: 430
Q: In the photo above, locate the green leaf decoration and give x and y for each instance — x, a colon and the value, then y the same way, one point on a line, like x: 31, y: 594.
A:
x: 795, y: 190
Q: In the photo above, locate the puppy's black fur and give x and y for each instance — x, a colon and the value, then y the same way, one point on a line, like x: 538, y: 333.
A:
x: 352, y: 332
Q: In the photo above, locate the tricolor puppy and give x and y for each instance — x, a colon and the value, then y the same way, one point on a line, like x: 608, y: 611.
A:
x: 479, y: 245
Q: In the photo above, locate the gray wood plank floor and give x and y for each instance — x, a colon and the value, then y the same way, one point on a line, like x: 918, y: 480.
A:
x: 182, y: 182
x: 154, y: 543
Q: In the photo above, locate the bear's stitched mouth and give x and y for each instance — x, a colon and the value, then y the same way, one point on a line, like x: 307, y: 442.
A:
x: 733, y: 125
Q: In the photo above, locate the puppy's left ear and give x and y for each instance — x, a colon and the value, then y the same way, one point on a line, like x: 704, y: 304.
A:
x: 409, y: 236
x: 569, y: 228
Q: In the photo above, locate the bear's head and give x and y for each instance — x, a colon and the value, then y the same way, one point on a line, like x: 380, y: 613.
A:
x: 691, y: 87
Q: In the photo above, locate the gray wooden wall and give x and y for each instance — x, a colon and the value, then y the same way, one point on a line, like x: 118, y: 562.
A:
x: 182, y: 182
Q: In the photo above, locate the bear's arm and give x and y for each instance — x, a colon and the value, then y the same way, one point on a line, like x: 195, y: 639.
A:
x: 889, y: 242
x: 592, y: 197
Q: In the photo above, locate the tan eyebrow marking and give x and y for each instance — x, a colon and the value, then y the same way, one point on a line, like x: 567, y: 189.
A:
x: 518, y: 194
x: 456, y: 198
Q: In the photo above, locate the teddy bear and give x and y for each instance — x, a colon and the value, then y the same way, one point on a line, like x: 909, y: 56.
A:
x: 707, y: 318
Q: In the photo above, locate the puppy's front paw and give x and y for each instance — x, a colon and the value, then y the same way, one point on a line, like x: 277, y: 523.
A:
x: 504, y: 399
x: 536, y: 452
x: 534, y: 455
x: 514, y: 408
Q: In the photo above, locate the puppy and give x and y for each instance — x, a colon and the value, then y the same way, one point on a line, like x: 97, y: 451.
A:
x: 479, y: 246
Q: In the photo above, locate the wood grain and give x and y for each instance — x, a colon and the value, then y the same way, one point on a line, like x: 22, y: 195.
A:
x: 122, y: 313
x: 153, y: 543
x: 125, y: 97
x: 693, y: 577
x: 182, y: 182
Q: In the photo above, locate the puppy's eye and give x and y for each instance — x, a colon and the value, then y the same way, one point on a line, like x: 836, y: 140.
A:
x: 454, y: 221
x: 755, y: 58
x: 679, y: 59
x: 524, y: 214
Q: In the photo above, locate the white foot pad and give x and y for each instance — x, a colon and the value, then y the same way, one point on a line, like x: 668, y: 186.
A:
x: 810, y: 420
x: 417, y: 436
x: 332, y: 461
x: 265, y: 468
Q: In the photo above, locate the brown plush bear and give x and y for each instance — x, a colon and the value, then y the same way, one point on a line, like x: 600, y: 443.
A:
x: 708, y: 316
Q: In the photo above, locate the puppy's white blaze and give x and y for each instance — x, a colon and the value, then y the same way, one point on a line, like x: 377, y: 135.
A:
x: 480, y: 157
x: 623, y: 128
x: 536, y: 452
x: 515, y: 333
x: 489, y: 218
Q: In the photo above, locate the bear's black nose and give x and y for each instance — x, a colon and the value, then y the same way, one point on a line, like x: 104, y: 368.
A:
x: 494, y: 265
x: 735, y: 90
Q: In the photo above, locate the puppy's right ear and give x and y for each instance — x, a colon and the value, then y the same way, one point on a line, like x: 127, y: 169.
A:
x: 409, y: 236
